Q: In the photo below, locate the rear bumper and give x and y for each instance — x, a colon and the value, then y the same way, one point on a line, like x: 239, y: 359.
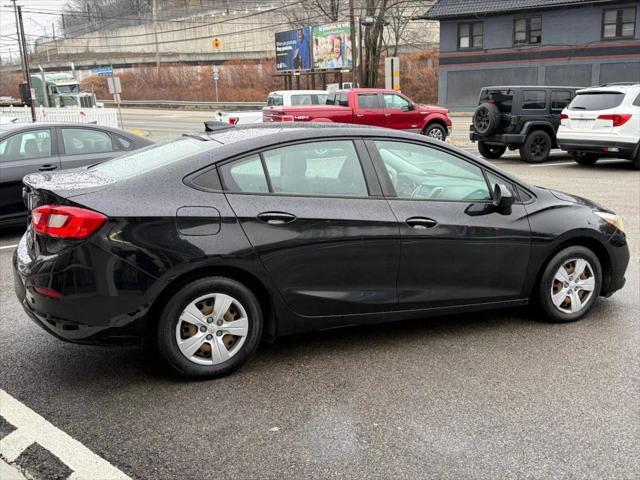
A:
x: 503, y: 139
x: 601, y: 147
x: 95, y: 306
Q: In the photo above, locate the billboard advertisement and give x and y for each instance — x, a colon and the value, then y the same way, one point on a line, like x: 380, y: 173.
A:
x: 332, y: 45
x: 293, y: 50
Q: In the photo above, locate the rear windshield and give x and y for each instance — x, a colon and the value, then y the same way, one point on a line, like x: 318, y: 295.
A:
x: 503, y: 99
x: 596, y: 100
x: 150, y: 158
x: 309, y: 99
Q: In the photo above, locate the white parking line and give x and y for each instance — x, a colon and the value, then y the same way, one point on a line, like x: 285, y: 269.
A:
x: 613, y: 160
x: 32, y: 428
x: 7, y: 247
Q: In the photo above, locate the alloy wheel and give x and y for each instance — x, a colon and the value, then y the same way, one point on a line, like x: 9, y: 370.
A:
x: 212, y: 329
x: 539, y: 148
x: 573, y: 285
x: 436, y: 133
x: 482, y: 120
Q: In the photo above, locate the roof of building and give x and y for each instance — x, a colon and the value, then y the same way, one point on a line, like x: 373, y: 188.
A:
x: 461, y: 8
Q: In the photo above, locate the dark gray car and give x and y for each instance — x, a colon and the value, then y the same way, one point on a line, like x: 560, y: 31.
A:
x: 32, y: 147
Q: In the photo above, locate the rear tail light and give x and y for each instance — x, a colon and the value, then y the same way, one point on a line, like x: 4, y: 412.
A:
x: 66, y: 222
x: 617, y: 118
x: 564, y: 116
x: 287, y: 118
x: 233, y: 120
x: 48, y: 292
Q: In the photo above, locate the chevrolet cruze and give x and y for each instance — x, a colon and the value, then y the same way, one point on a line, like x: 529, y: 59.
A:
x: 209, y: 243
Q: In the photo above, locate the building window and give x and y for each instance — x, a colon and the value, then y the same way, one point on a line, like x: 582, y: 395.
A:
x: 619, y: 23
x: 527, y: 30
x: 469, y: 35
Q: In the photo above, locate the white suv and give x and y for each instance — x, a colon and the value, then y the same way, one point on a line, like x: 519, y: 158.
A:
x: 602, y: 122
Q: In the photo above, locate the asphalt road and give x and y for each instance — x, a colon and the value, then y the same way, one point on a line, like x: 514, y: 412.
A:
x: 476, y: 396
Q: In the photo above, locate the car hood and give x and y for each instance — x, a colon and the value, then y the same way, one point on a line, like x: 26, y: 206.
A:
x: 568, y: 197
x: 432, y: 109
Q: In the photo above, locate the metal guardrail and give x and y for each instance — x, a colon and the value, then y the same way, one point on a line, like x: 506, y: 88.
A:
x: 187, y: 103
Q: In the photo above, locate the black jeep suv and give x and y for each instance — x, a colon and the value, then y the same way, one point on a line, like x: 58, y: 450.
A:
x: 524, y: 117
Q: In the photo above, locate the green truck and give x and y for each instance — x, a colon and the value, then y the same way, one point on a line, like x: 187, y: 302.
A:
x: 57, y: 89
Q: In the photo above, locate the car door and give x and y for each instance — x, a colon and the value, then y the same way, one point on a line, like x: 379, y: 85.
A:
x: 456, y: 248
x: 400, y: 113
x: 24, y: 152
x: 82, y: 146
x: 369, y: 110
x: 316, y: 217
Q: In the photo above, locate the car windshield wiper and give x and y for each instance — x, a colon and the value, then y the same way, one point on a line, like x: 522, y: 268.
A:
x: 578, y: 108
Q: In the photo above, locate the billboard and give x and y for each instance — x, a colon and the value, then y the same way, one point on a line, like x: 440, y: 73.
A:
x: 293, y: 50
x: 332, y: 45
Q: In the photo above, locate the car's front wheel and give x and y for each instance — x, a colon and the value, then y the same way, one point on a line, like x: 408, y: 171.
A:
x: 209, y: 327
x: 536, y: 148
x: 585, y: 159
x: 436, y: 131
x: 491, y: 151
x: 570, y: 284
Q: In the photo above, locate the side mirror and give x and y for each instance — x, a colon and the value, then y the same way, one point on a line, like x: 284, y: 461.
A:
x: 503, y: 197
x: 409, y: 108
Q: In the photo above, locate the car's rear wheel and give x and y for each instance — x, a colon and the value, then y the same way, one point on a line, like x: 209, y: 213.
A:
x: 209, y: 327
x: 536, y: 148
x: 585, y: 159
x: 491, y: 151
x: 436, y: 131
x: 570, y: 284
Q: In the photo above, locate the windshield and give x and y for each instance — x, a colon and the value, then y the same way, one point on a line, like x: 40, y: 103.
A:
x: 503, y: 99
x: 596, y: 100
x: 150, y: 158
x: 68, y: 88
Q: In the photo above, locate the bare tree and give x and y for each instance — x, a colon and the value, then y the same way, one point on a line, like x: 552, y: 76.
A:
x: 311, y: 12
x: 398, y: 17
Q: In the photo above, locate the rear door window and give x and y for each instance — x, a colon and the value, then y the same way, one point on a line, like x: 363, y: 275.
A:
x: 26, y: 145
x: 83, y: 141
x: 369, y: 101
x: 326, y: 168
x: 596, y: 100
x: 534, y: 100
x: 344, y: 99
x: 245, y: 175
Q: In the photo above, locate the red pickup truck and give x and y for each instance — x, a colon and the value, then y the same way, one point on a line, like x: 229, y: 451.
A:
x: 369, y: 106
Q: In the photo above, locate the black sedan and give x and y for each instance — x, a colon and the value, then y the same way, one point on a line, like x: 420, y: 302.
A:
x: 207, y: 244
x: 31, y: 147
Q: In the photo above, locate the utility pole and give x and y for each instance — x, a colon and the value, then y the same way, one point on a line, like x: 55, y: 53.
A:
x: 23, y: 44
x: 155, y: 33
x: 354, y: 47
x: 15, y: 11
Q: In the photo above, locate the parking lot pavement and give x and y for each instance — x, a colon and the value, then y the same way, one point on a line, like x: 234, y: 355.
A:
x: 484, y: 395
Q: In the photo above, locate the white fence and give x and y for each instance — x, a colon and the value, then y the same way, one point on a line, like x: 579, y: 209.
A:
x: 101, y: 116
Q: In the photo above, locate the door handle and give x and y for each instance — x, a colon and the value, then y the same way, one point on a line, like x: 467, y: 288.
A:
x: 421, y: 223
x: 47, y: 167
x: 276, y: 218
x: 359, y: 115
x: 387, y: 114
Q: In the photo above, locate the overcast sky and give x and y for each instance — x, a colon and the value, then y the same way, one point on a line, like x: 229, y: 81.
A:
x: 34, y: 23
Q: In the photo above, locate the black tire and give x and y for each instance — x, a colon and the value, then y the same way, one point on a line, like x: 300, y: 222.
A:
x: 491, y: 152
x: 585, y: 159
x: 436, y: 131
x: 166, y: 336
x: 536, y: 148
x: 486, y: 119
x: 547, y: 282
x: 636, y: 160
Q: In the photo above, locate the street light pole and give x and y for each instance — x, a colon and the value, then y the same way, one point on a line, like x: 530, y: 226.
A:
x: 354, y: 51
x: 23, y: 44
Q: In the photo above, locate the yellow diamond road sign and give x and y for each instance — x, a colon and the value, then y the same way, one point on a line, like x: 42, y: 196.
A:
x: 216, y: 43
